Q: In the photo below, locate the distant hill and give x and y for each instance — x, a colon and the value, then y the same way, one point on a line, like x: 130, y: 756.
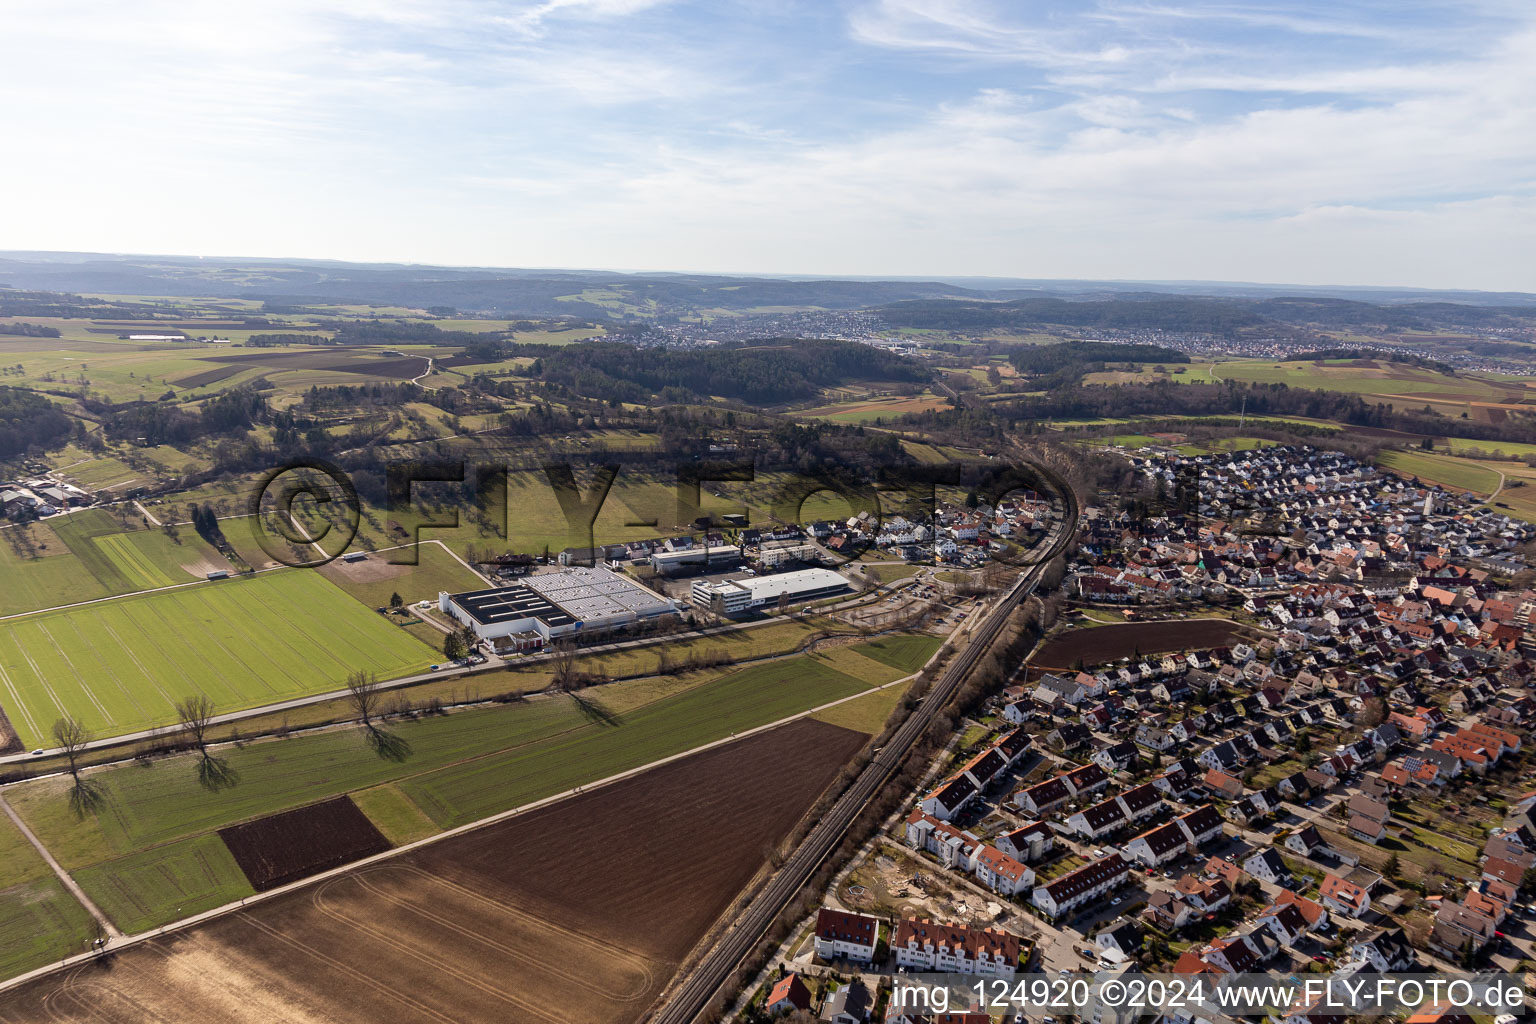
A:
x: 946, y: 303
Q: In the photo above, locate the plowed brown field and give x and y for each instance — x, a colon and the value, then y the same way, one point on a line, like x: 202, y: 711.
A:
x: 578, y: 913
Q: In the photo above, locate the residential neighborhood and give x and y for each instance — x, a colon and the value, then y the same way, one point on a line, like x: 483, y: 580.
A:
x: 1328, y: 775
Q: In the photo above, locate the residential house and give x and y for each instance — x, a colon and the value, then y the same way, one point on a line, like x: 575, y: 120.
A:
x: 1001, y: 873
x: 1268, y: 866
x: 850, y: 1004
x: 929, y: 946
x: 788, y: 994
x: 1077, y: 887
x: 1344, y: 897
x: 1029, y: 843
x: 1159, y: 845
x: 841, y: 935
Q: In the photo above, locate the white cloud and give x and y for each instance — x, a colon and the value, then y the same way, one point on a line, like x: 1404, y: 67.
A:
x: 941, y: 137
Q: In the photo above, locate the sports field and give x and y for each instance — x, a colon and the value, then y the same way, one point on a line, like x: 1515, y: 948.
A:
x: 119, y: 666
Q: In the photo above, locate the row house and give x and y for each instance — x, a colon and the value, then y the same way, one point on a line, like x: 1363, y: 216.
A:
x: 1076, y: 888
x: 1029, y: 843
x: 1001, y: 873
x: 950, y: 798
x: 1099, y: 820
x: 1201, y: 825
x: 952, y: 847
x: 924, y: 945
x: 1158, y: 846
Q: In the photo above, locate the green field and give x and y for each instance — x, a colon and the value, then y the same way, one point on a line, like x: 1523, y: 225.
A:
x: 443, y: 771
x: 1442, y: 469
x: 41, y: 922
x: 465, y: 792
x: 88, y: 555
x: 119, y: 666
x: 907, y: 654
x: 864, y: 714
x: 191, y: 876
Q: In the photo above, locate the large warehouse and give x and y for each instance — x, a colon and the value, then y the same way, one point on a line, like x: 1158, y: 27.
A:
x: 730, y: 597
x: 549, y: 605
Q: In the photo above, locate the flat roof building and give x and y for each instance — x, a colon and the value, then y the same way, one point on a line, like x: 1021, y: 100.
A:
x: 733, y: 596
x: 555, y: 604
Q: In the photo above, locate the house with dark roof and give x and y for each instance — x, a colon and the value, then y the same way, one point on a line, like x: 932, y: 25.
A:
x: 1099, y: 820
x: 788, y: 994
x: 1159, y: 845
x: 1200, y: 825
x: 1268, y: 866
x: 1076, y: 888
x: 845, y: 936
x: 1386, y: 949
x: 1043, y: 797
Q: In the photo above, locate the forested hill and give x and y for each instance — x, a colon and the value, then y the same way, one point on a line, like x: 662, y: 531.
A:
x: 763, y: 373
x: 1050, y: 358
x: 28, y: 421
x: 1190, y: 315
x: 1196, y: 314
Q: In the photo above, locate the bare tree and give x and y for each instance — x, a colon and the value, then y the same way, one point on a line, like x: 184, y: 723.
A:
x: 565, y: 664
x: 71, y: 738
x: 196, y: 715
x: 364, y: 694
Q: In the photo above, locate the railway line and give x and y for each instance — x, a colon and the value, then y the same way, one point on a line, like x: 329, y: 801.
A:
x: 689, y: 999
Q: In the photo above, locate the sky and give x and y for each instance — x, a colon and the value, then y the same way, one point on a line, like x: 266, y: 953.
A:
x: 1350, y: 142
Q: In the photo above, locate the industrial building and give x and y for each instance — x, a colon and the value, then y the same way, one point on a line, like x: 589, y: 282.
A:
x: 668, y: 563
x: 732, y: 597
x: 550, y: 605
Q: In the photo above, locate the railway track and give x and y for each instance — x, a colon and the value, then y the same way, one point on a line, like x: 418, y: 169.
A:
x: 690, y: 998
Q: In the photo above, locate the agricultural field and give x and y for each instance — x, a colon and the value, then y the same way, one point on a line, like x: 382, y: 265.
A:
x: 436, y: 772
x: 870, y: 410
x: 88, y: 555
x: 1462, y: 474
x: 1510, y: 486
x: 120, y: 665
x: 867, y: 714
x: 40, y: 920
x: 192, y: 875
x: 1483, y: 398
x: 1098, y: 645
x: 481, y: 910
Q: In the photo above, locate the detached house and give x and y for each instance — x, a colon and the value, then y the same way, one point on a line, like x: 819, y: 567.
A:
x: 841, y: 935
x: 1344, y: 897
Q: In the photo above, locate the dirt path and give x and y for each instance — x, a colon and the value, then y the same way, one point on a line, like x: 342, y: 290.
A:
x: 69, y: 883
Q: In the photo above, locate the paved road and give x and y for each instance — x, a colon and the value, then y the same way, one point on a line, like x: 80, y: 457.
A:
x: 495, y: 664
x: 122, y: 941
x: 690, y: 997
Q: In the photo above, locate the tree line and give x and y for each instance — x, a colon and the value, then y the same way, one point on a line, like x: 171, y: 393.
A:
x: 26, y: 330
